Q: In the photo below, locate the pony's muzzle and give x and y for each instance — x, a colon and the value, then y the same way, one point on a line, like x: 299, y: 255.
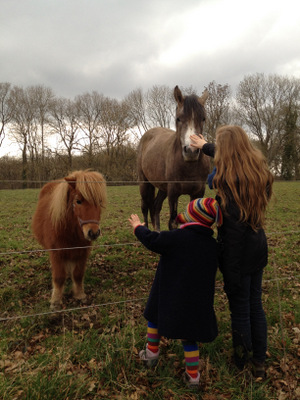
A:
x: 90, y: 229
x: 93, y: 235
x: 91, y: 232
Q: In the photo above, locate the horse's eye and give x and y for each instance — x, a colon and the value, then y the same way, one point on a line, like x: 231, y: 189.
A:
x: 78, y: 201
x: 178, y: 119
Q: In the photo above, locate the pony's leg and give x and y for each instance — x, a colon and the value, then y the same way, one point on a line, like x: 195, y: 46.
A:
x: 77, y: 275
x: 173, y: 204
x: 147, y: 192
x: 58, y: 281
x: 158, y: 202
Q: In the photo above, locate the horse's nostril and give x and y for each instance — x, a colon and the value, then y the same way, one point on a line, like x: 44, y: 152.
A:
x: 93, y: 235
x: 189, y: 149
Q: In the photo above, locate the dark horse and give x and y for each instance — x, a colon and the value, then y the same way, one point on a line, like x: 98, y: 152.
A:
x: 167, y: 161
x: 66, y: 220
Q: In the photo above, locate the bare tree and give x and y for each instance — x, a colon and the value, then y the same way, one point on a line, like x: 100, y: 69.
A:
x: 114, y: 136
x: 23, y: 123
x: 64, y: 122
x: 6, y: 108
x: 261, y: 104
x: 137, y: 112
x: 114, y: 124
x: 160, y: 106
x: 41, y: 98
x: 217, y: 108
x: 290, y: 157
x: 89, y: 107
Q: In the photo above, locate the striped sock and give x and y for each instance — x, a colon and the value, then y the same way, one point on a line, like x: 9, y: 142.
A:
x: 153, y: 337
x: 191, y: 354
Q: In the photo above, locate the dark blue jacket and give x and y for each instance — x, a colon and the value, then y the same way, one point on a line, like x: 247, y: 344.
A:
x: 182, y: 295
x: 242, y: 250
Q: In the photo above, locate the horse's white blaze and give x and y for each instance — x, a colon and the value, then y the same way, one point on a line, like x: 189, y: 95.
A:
x: 186, y: 140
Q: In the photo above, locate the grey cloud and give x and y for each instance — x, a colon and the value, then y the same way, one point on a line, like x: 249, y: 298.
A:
x: 114, y: 46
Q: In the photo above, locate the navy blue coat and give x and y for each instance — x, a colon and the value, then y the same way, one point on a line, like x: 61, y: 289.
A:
x: 242, y: 251
x: 182, y: 295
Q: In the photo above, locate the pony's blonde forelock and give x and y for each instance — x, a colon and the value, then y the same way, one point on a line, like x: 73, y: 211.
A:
x: 92, y: 186
x: 243, y: 169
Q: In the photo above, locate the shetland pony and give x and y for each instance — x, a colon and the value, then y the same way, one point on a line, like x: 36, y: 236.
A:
x: 166, y: 161
x: 65, y: 222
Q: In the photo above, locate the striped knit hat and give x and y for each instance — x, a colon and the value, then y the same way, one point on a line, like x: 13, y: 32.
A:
x: 204, y: 211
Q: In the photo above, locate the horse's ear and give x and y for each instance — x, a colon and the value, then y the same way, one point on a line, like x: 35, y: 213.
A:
x: 178, y: 95
x: 71, y: 180
x: 204, y: 97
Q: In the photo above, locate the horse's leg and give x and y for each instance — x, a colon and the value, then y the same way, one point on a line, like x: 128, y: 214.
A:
x: 173, y: 204
x: 147, y: 192
x: 198, y: 194
x: 77, y: 274
x: 158, y: 202
x: 58, y: 280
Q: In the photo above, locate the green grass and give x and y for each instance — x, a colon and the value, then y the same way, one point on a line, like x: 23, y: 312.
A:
x: 92, y: 352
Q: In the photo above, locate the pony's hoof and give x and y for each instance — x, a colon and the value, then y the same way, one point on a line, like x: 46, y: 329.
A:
x: 82, y: 300
x: 82, y: 297
x: 55, y: 306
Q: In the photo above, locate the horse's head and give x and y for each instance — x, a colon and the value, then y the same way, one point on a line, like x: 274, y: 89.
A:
x: 190, y: 117
x: 87, y: 194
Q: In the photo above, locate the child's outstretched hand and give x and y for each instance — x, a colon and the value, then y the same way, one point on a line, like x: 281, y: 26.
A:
x: 135, y: 221
x: 197, y: 141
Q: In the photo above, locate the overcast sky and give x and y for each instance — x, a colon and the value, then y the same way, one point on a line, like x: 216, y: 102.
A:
x: 116, y: 46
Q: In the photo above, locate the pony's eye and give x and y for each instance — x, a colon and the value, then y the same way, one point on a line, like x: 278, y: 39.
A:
x: 78, y: 201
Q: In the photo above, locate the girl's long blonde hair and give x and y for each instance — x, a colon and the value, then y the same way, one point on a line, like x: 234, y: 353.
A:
x: 243, y: 173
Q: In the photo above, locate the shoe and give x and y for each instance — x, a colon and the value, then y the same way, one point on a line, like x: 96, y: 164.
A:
x: 191, y: 383
x: 258, y: 369
x: 149, y: 358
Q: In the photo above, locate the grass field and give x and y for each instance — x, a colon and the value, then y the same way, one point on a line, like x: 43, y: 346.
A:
x: 91, y: 352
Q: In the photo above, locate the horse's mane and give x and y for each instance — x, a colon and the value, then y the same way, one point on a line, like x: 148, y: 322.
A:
x: 192, y: 106
x: 90, y: 184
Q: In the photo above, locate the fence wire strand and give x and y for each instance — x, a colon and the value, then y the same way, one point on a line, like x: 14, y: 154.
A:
x: 82, y: 308
x: 108, y: 245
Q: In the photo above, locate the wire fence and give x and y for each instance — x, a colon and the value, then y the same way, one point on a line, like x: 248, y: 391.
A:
x: 274, y: 285
x: 37, y: 184
x: 82, y: 308
x: 277, y: 279
x: 111, y: 245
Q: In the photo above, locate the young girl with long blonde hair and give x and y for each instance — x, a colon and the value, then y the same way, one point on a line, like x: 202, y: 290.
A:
x: 243, y: 184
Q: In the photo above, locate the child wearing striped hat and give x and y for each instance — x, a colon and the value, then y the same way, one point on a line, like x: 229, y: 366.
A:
x: 180, y: 304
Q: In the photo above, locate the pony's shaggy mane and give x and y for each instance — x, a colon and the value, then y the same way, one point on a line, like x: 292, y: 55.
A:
x: 90, y: 184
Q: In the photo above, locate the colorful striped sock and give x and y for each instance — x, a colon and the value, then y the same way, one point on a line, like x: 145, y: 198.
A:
x: 191, y: 354
x: 153, y: 338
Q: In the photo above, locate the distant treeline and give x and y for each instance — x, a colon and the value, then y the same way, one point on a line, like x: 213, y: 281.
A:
x: 57, y: 135
x: 117, y: 170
